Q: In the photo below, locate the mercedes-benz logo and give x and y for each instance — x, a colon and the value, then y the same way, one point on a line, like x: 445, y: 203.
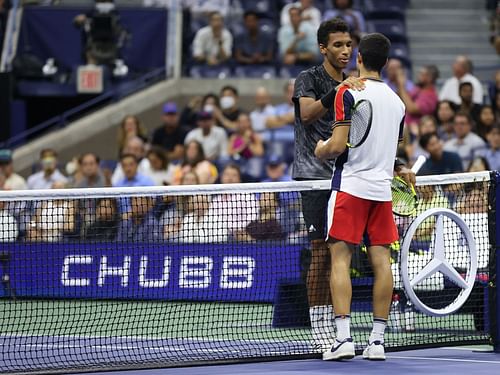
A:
x: 439, y: 263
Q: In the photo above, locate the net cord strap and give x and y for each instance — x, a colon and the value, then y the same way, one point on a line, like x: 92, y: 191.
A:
x: 292, y: 186
x: 494, y: 292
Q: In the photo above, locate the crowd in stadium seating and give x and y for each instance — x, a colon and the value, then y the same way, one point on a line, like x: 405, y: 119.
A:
x: 213, y: 139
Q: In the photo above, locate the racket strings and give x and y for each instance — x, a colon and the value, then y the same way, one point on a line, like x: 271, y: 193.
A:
x: 360, y: 122
x: 404, y: 200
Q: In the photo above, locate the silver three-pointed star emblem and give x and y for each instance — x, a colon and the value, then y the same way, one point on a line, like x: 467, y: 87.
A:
x: 439, y: 262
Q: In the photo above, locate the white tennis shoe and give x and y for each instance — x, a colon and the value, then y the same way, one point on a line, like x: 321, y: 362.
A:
x: 340, y: 350
x: 374, y: 351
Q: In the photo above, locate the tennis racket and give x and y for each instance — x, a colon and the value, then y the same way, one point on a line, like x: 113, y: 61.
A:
x: 404, y: 196
x: 361, y: 122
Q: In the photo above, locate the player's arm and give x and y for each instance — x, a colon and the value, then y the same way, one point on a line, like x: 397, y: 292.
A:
x: 337, y: 143
x: 312, y: 109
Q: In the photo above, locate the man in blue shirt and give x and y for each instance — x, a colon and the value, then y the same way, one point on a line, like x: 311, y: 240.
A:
x: 129, y: 164
x: 439, y: 161
x: 492, y: 152
x: 254, y: 45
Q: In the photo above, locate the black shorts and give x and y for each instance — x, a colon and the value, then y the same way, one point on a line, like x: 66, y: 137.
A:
x: 314, y: 209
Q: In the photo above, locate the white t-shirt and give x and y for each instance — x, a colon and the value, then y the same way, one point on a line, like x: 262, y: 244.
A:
x: 214, y: 143
x: 366, y: 171
x: 15, y: 182
x: 8, y: 227
x: 312, y: 13
x: 205, y: 45
x: 449, y: 91
x: 258, y: 117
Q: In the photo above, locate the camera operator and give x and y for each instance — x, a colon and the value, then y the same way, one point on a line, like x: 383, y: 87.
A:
x: 103, y: 35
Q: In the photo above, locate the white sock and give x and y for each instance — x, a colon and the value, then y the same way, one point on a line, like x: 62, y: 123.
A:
x: 378, y: 330
x: 343, y: 323
x: 321, y: 322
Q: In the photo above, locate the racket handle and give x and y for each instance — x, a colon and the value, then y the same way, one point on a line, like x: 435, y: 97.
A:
x: 418, y: 163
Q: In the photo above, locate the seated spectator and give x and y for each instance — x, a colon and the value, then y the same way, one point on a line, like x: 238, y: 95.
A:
x: 284, y: 112
x: 53, y: 219
x: 135, y: 146
x: 494, y: 88
x: 465, y: 91
x: 478, y: 164
x: 392, y: 71
x: 130, y: 127
x: 9, y: 228
x: 49, y: 173
x: 203, y: 8
x: 266, y: 226
x: 445, y: 113
x: 212, y: 138
x: 462, y: 72
x: 426, y: 125
x: 263, y: 109
x: 162, y: 172
x: 13, y: 181
x: 343, y: 9
x: 229, y: 109
x: 188, y: 115
x: 92, y: 176
x: 474, y: 199
x: 485, y: 121
x: 195, y: 161
x: 422, y: 99
x: 492, y: 152
x: 232, y: 211
x: 170, y: 135
x: 177, y: 208
x: 465, y: 143
x: 104, y: 227
x: 297, y: 41
x: 209, y: 103
x: 245, y: 143
x: 213, y: 44
x: 254, y: 45
x: 310, y: 14
x: 439, y: 161
x: 139, y: 224
x: 132, y: 176
x: 276, y: 170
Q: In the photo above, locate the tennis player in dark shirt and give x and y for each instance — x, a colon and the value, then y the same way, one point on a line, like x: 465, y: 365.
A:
x: 314, y: 114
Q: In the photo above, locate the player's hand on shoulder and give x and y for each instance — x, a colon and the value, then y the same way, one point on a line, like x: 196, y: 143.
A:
x: 354, y: 83
x: 406, y: 174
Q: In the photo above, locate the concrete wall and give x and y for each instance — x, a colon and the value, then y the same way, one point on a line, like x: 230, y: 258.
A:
x: 97, y: 132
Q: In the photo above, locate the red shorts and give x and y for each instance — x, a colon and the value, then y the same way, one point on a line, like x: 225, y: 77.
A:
x: 349, y: 217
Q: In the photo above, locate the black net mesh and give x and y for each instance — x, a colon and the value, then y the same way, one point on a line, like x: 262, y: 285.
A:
x: 166, y: 280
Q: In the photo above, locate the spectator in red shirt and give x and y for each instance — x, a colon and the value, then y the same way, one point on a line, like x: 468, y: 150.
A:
x: 422, y: 99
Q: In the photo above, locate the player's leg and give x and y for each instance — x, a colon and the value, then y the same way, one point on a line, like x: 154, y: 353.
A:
x: 346, y: 218
x: 382, y: 232
x: 314, y: 204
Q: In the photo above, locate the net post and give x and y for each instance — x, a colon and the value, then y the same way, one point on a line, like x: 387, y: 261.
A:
x: 494, y: 198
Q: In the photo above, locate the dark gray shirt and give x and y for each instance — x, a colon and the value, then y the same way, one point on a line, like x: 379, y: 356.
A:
x: 313, y: 83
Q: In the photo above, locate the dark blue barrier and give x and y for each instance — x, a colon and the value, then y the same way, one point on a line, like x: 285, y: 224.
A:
x: 49, y: 32
x: 198, y: 272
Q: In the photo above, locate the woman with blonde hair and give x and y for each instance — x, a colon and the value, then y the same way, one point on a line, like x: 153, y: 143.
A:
x: 130, y: 127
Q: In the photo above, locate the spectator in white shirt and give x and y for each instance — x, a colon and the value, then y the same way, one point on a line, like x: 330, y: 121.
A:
x: 212, y: 138
x: 12, y: 180
x: 136, y: 147
x: 310, y: 13
x: 462, y: 72
x: 9, y: 229
x: 49, y: 173
x: 213, y: 43
x: 263, y: 109
x: 465, y: 143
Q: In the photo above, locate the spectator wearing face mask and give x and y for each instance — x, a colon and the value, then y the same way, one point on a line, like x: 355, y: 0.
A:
x: 229, y: 108
x: 49, y: 173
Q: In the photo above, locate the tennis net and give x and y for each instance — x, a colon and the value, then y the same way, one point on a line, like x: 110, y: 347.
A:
x: 98, y: 279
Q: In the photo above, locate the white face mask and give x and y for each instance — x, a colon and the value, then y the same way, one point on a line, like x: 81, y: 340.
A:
x: 227, y: 102
x: 208, y: 108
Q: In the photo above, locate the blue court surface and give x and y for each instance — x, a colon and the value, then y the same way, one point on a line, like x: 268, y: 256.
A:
x: 443, y: 361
